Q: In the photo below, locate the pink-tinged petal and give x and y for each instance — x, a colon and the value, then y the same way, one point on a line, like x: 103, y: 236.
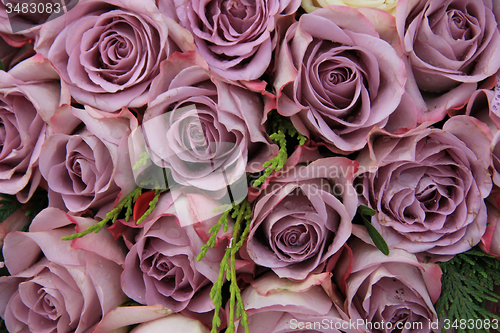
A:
x: 299, y: 301
x: 173, y: 323
x: 101, y: 243
x: 271, y: 283
x: 432, y: 277
x: 125, y: 316
x: 104, y: 275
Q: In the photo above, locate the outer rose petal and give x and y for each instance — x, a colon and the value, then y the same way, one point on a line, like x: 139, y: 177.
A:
x: 121, y: 317
x: 385, y: 5
x: 172, y: 323
x: 279, y: 309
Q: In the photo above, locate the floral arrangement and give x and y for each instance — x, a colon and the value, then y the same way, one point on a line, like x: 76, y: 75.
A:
x: 249, y: 166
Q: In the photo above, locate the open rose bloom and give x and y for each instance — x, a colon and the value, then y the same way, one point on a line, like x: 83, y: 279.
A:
x: 249, y: 166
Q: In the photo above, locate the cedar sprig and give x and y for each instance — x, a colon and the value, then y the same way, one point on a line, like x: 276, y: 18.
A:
x: 243, y: 214
x: 467, y: 283
x: 111, y: 216
x: 213, y: 234
x: 281, y: 131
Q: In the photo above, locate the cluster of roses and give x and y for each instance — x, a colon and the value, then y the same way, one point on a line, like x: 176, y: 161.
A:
x: 398, y: 107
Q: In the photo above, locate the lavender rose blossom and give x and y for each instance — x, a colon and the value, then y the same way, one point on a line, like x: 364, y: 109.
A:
x: 213, y: 128
x: 336, y: 78
x: 428, y: 186
x: 80, y: 168
x: 277, y: 305
x: 236, y: 37
x: 56, y: 285
x: 303, y: 217
x: 393, y: 293
x: 109, y: 51
x: 30, y: 93
x: 161, y: 267
x: 451, y: 46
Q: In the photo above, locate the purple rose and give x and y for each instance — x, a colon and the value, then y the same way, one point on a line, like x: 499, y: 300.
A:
x: 213, y: 128
x: 109, y: 51
x: 336, y: 78
x: 236, y: 38
x: 30, y: 93
x: 161, y: 267
x: 80, y: 168
x: 303, y: 217
x: 393, y: 293
x: 59, y: 285
x: 428, y: 186
x: 484, y: 105
x: 451, y: 45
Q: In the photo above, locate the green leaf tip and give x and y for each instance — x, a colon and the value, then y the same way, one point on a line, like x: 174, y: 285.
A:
x: 375, y: 235
x: 111, y: 216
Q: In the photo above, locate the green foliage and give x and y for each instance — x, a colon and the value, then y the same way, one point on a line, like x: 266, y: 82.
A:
x: 376, y: 237
x: 281, y: 131
x: 127, y: 203
x: 2, y: 67
x: 38, y: 202
x: 243, y: 214
x: 8, y: 205
x: 467, y: 284
x: 143, y: 161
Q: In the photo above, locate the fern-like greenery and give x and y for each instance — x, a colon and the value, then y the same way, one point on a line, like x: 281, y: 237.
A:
x: 467, y: 284
x: 242, y: 213
x: 280, y: 131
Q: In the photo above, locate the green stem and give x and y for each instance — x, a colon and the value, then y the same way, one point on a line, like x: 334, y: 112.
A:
x: 110, y: 216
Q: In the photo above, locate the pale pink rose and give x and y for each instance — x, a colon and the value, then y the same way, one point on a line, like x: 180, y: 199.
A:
x: 336, y: 78
x: 278, y: 305
x: 303, y: 217
x: 385, y: 5
x: 237, y: 38
x: 394, y: 289
x: 30, y: 93
x: 109, y: 51
x: 213, y: 128
x: 161, y: 266
x: 63, y: 286
x: 428, y: 185
x: 80, y: 168
x: 450, y: 46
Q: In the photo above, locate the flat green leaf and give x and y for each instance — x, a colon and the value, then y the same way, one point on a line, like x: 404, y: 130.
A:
x: 2, y: 67
x: 365, y: 210
x: 377, y: 238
